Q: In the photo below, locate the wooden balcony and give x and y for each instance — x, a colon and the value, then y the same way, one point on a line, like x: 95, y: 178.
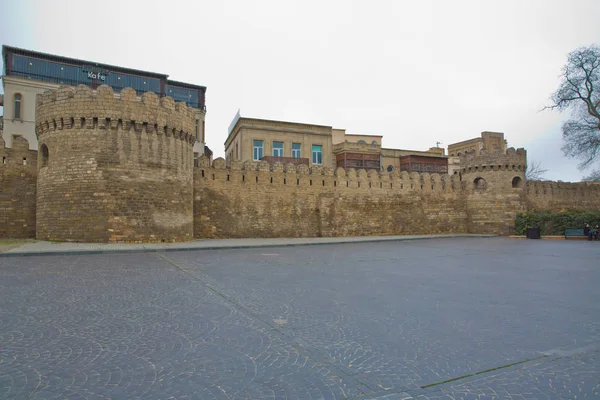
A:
x: 357, y: 161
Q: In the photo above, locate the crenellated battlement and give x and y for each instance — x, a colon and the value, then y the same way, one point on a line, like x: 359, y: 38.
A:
x: 83, y: 108
x: 552, y: 188
x: 319, y: 177
x: 128, y: 158
x: 511, y: 160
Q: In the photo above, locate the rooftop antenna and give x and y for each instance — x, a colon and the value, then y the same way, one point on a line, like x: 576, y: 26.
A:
x: 437, y: 144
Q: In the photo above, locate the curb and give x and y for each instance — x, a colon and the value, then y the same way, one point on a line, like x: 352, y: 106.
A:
x: 374, y: 239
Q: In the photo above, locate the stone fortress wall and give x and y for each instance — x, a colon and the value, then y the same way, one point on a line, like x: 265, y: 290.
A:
x: 113, y: 167
x: 18, y: 182
x: 119, y: 168
x: 256, y: 200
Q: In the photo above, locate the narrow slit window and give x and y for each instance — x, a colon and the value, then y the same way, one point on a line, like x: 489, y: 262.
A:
x: 17, y: 106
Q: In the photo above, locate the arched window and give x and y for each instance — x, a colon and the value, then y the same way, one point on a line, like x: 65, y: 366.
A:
x: 479, y: 184
x: 390, y: 168
x: 517, y: 182
x: 44, y: 151
x: 374, y: 142
x: 17, y: 106
x: 362, y: 142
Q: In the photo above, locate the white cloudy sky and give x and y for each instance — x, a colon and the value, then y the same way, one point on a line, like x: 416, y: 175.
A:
x: 416, y: 72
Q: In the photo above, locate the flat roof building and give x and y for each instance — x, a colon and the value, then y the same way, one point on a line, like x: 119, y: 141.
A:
x: 28, y: 73
x: 253, y: 139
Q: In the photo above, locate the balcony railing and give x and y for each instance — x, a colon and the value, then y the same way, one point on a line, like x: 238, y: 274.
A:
x: 91, y: 84
x: 285, y: 160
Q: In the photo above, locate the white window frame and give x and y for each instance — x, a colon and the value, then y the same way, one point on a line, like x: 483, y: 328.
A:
x: 298, y: 151
x: 256, y: 148
x: 278, y: 150
x: 318, y: 154
x: 19, y: 108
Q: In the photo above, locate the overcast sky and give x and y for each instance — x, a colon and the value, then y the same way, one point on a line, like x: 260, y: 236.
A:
x: 416, y: 72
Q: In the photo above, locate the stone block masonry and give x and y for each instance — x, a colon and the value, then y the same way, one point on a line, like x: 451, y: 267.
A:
x: 113, y: 168
x: 18, y: 183
x: 120, y: 168
x: 256, y: 200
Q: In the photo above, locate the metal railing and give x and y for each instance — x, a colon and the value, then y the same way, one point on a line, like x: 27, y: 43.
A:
x: 76, y: 82
x: 285, y: 160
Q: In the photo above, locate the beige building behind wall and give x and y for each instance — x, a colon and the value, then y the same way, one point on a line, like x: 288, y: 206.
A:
x: 29, y: 73
x: 21, y: 93
x: 489, y: 141
x: 251, y: 139
x: 390, y: 158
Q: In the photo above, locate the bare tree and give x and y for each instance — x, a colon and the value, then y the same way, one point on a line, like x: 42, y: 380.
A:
x: 579, y: 91
x: 535, y: 171
x: 593, y: 177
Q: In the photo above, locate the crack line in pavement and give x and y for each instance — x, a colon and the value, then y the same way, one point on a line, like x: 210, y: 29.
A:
x: 296, y: 342
x: 215, y: 291
x: 482, y: 372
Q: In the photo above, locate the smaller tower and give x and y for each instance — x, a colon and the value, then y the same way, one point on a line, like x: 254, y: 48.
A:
x: 494, y: 184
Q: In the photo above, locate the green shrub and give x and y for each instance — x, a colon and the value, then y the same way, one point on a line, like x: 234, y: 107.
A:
x: 555, y: 223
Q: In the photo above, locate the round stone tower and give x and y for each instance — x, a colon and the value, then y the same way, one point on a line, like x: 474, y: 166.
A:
x: 113, y: 167
x: 495, y: 189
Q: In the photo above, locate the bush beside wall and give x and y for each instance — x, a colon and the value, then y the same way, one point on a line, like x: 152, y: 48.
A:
x: 555, y: 223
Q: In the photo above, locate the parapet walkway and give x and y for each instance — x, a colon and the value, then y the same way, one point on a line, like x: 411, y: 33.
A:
x: 36, y: 248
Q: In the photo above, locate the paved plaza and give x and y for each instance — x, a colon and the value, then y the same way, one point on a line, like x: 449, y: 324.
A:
x: 448, y: 318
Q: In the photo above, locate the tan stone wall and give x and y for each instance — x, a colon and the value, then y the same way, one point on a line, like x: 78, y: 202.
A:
x: 492, y: 201
x: 561, y: 196
x: 254, y: 200
x: 119, y: 168
x: 338, y: 135
x: 18, y: 176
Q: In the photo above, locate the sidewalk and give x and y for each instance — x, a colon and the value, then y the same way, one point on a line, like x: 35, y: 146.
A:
x: 35, y: 248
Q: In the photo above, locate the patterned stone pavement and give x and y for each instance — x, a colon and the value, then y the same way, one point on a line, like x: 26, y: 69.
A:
x: 434, y: 319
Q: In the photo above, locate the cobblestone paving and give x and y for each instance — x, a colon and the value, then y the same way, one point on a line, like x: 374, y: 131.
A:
x: 435, y: 319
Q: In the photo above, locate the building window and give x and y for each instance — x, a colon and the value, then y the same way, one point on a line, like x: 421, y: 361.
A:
x: 203, y: 132
x: 197, y: 130
x: 317, y: 154
x: 45, y: 154
x: 390, y: 168
x: 374, y: 142
x: 257, y: 149
x: 296, y: 153
x: 278, y: 149
x: 362, y: 142
x: 17, y: 106
x: 237, y: 154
